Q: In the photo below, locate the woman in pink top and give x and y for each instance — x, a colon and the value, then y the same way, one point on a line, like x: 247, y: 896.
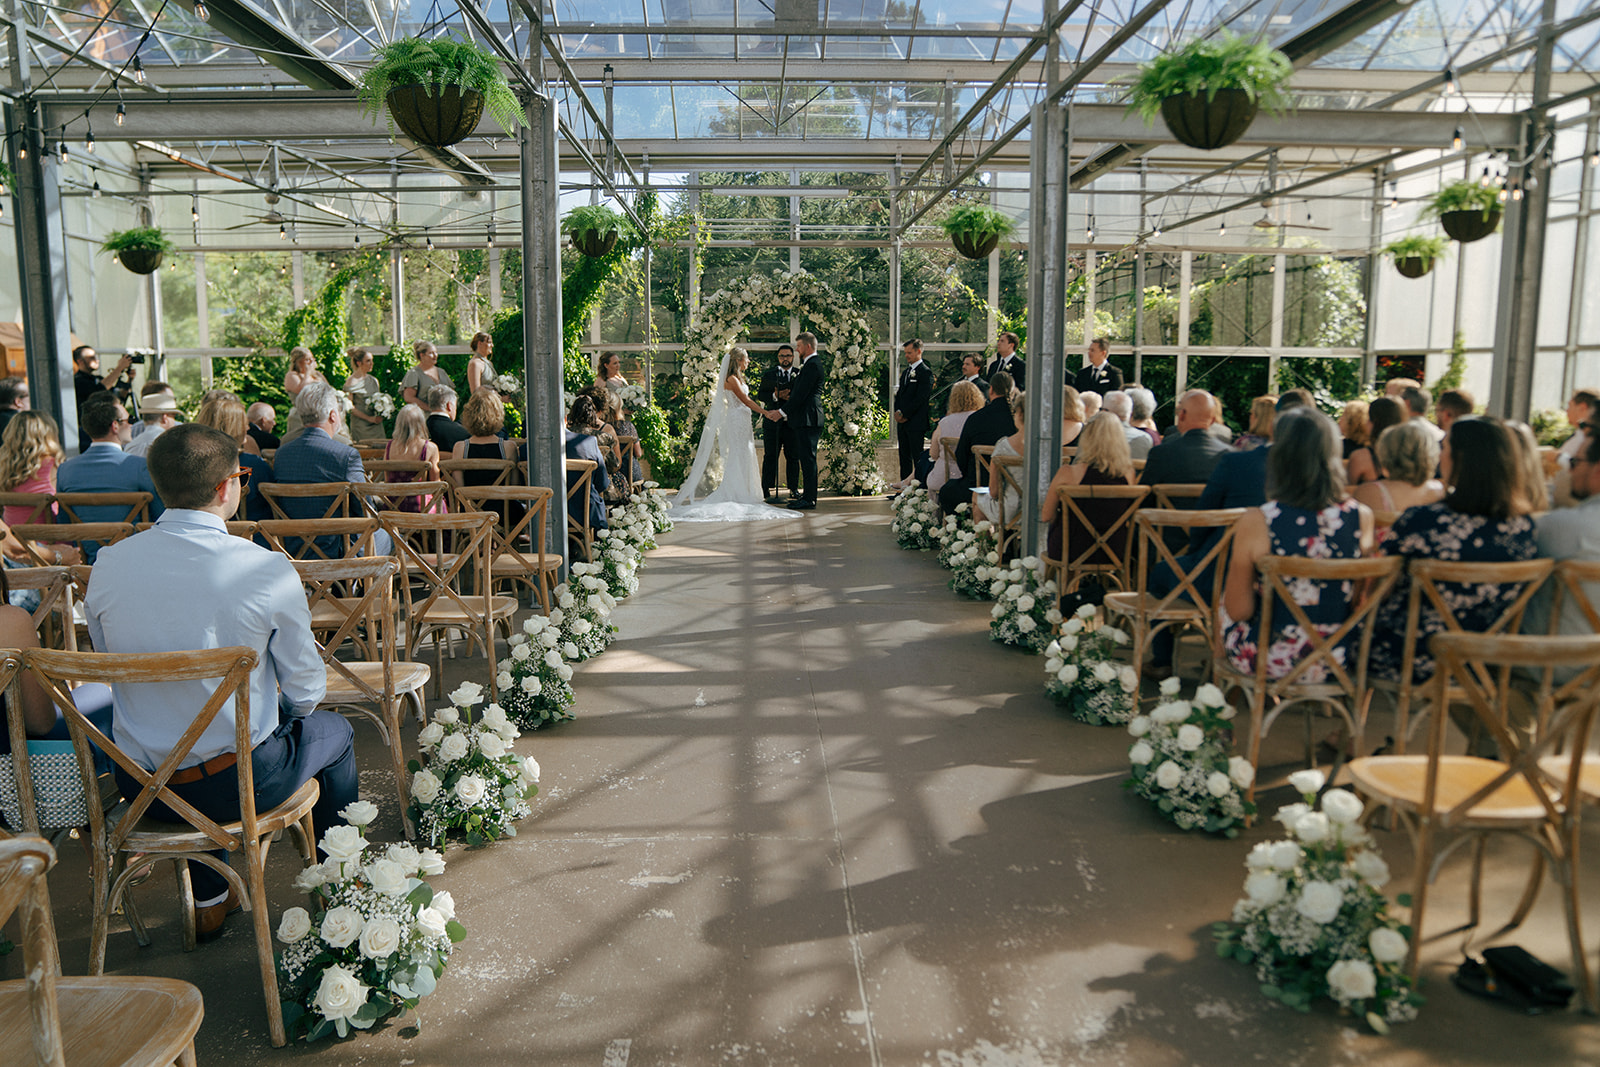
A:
x: 30, y: 451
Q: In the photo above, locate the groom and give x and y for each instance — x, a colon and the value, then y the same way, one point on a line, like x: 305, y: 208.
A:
x: 803, y: 412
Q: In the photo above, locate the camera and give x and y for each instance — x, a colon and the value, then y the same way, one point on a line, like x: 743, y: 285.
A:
x: 136, y: 358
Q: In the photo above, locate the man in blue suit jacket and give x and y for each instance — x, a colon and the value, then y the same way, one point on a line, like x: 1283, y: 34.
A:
x: 104, y: 467
x: 314, y: 456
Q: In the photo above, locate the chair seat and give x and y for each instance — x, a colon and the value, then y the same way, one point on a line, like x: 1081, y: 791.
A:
x: 1147, y: 605
x: 1556, y: 768
x: 107, y: 1020
x: 1402, y: 781
x: 154, y: 835
x: 443, y: 613
x: 408, y: 677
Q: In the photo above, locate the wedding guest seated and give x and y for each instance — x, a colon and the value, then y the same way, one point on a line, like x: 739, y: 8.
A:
x: 1407, y: 458
x: 1353, y: 424
x: 1533, y: 488
x: 410, y: 442
x: 443, y: 429
x: 104, y: 467
x: 1570, y: 533
x: 227, y: 414
x: 158, y: 413
x: 41, y: 720
x: 582, y: 442
x: 1262, y: 411
x: 1091, y: 404
x: 1190, y: 452
x: 1382, y: 413
x: 1144, y: 413
x: 1120, y: 404
x: 1581, y: 411
x: 1306, y: 514
x: 988, y: 504
x: 1395, y: 388
x: 965, y: 398
x: 1072, y: 415
x: 315, y: 456
x: 1480, y: 520
x: 13, y: 398
x: 1417, y: 402
x: 1453, y: 404
x: 262, y: 420
x: 1219, y: 425
x: 184, y: 584
x: 483, y: 418
x: 984, y: 427
x: 1102, y: 459
x: 146, y: 391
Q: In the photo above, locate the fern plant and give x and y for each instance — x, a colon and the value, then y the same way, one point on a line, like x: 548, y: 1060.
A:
x: 1209, y: 65
x: 138, y: 239
x: 435, y: 64
x: 1416, y: 246
x: 594, y: 219
x: 1464, y: 196
x: 974, y: 220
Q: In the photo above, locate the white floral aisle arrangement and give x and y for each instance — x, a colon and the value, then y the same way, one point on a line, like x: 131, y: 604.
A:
x: 582, y: 615
x: 656, y: 504
x: 1181, y: 762
x: 379, y: 939
x: 535, y: 679
x: 1314, y: 921
x: 852, y: 415
x: 1026, y: 604
x: 1083, y: 672
x: 617, y: 563
x: 949, y: 539
x: 471, y: 782
x: 974, y: 560
x: 632, y: 522
x: 916, y: 519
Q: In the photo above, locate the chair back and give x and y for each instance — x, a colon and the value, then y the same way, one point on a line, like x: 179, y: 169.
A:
x: 1170, y: 494
x: 38, y: 503
x: 24, y: 888
x: 981, y: 454
x: 372, y: 452
x: 434, y: 552
x: 58, y: 591
x: 422, y: 497
x: 947, y: 456
x: 1574, y: 577
x: 500, y: 469
x: 1371, y: 580
x: 1153, y: 525
x: 318, y: 538
x: 230, y: 666
x: 1010, y: 525
x: 580, y: 473
x: 1093, y: 540
x: 1068, y: 453
x: 359, y: 592
x: 68, y: 533
x: 134, y: 507
x: 332, y: 497
x: 377, y: 468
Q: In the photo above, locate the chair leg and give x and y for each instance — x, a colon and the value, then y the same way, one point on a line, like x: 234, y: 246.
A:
x: 101, y: 879
x: 186, y: 904
x: 186, y: 1057
x: 264, y: 953
x: 391, y: 715
x: 1423, y: 858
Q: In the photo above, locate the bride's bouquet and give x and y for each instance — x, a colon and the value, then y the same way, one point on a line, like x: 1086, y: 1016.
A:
x: 1026, y: 604
x: 535, y: 680
x: 382, y: 405
x: 916, y: 518
x: 473, y: 783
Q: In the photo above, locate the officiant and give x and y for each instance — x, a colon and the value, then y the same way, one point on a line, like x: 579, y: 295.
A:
x: 777, y: 434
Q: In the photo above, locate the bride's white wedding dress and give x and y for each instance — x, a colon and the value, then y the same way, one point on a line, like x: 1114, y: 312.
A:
x: 724, y: 485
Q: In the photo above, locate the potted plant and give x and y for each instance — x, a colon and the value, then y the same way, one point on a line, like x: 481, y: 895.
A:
x: 1413, y: 254
x: 1467, y: 211
x: 139, y: 249
x: 436, y: 90
x: 594, y: 229
x: 975, y: 230
x: 1209, y: 90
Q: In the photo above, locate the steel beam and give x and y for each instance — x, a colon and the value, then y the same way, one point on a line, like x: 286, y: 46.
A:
x: 541, y: 313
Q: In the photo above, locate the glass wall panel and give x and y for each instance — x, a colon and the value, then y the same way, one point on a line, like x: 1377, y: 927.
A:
x: 1555, y: 291
x: 1231, y: 304
x: 1324, y: 302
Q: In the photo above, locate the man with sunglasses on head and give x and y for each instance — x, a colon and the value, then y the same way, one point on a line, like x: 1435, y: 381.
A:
x: 187, y: 584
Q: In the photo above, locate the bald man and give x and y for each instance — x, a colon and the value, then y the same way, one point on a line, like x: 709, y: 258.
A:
x: 1189, y: 454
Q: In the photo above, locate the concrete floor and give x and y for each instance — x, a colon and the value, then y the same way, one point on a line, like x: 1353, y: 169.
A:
x: 810, y: 814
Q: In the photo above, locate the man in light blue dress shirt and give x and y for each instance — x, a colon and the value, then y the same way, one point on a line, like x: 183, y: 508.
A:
x: 188, y: 584
x: 1570, y: 533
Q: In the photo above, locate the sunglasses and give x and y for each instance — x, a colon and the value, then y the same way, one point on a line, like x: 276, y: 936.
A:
x: 243, y: 474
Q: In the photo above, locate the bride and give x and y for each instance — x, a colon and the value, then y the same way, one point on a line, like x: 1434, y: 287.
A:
x: 724, y: 485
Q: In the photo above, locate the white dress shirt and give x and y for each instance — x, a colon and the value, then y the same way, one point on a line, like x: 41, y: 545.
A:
x: 140, y: 445
x: 188, y: 584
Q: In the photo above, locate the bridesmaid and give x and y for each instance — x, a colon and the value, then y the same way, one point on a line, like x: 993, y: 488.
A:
x: 365, y: 424
x: 424, y: 376
x: 302, y: 370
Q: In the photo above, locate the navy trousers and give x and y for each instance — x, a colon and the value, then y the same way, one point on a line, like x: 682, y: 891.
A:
x: 320, y: 745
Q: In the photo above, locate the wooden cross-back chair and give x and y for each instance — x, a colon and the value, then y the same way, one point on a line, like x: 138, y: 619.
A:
x: 1185, y: 605
x: 112, y: 841
x: 1168, y: 494
x: 135, y: 507
x: 337, y: 495
x: 502, y: 470
x: 579, y: 528
x: 1009, y: 526
x: 372, y: 452
x: 438, y: 554
x: 67, y: 533
x: 319, y: 538
x: 1534, y: 790
x: 59, y: 595
x: 39, y: 505
x: 1430, y: 579
x: 49, y: 1019
x: 430, y: 498
x: 947, y: 455
x: 517, y: 543
x: 377, y: 468
x: 244, y: 528
x: 1332, y: 672
x: 1095, y: 553
x: 981, y: 455
x: 361, y: 593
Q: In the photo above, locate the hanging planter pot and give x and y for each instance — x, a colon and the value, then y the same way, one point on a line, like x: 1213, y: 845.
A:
x: 436, y: 89
x: 975, y: 231
x: 140, y: 249
x: 439, y: 119
x: 1471, y: 225
x: 975, y: 245
x: 593, y: 244
x: 141, y: 260
x: 1413, y: 266
x: 1209, y: 124
x: 594, y: 229
x: 1468, y: 211
x: 1414, y: 254
x: 1208, y: 90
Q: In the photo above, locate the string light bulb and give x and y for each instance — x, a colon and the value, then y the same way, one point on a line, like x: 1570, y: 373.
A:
x: 96, y: 191
x: 1594, y: 158
x: 1088, y: 234
x: 430, y: 244
x: 62, y: 149
x: 138, y: 69
x: 202, y: 12
x: 1222, y: 227
x: 1156, y: 232
x: 1450, y: 86
x: 1457, y: 141
x: 194, y: 209
x: 283, y: 232
x: 88, y: 139
x: 1516, y: 190
x: 1484, y: 181
x: 122, y: 113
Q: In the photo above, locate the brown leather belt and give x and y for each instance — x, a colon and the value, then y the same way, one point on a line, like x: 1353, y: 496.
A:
x: 215, y: 765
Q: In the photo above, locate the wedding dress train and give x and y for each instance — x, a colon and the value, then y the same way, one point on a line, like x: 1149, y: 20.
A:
x: 724, y: 485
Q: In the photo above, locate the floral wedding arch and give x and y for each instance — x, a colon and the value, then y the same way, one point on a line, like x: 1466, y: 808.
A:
x: 849, y: 460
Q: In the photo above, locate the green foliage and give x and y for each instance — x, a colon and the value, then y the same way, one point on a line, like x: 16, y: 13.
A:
x: 1451, y: 378
x: 594, y: 219
x: 1464, y: 196
x: 1417, y: 246
x: 1550, y: 428
x: 1207, y: 65
x: 435, y: 64
x: 138, y: 239
x: 7, y: 178
x: 975, y: 220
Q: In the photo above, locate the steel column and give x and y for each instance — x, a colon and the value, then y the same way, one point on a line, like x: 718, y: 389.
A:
x: 1047, y: 299
x: 541, y: 312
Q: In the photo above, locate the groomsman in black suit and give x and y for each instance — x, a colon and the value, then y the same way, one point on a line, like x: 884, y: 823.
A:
x: 911, y: 407
x: 803, y: 414
x: 972, y: 371
x: 1099, y: 376
x: 1006, y: 359
x: 775, y: 433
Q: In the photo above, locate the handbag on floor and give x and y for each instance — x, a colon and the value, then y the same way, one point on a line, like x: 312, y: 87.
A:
x: 1514, y: 976
x: 57, y: 788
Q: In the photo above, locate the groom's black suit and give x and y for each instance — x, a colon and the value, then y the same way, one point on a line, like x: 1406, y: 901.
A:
x: 803, y: 412
x: 777, y: 434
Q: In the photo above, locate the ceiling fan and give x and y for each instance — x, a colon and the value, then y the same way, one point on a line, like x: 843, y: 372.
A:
x: 274, y: 217
x: 1266, y: 222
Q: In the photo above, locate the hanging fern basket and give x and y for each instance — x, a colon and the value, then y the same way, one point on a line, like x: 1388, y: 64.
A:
x: 141, y: 260
x: 975, y: 245
x: 1413, y: 266
x: 437, y: 120
x: 1471, y: 225
x: 594, y: 244
x: 1209, y: 124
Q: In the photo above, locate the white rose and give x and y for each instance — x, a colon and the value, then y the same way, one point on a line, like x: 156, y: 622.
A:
x: 503, y: 680
x: 1140, y: 754
x: 492, y: 745
x: 494, y: 718
x: 1352, y: 980
x: 534, y: 624
x: 1052, y: 664
x: 597, y: 602
x: 1320, y: 902
x: 1371, y: 868
x: 1069, y: 643
x: 430, y: 735
x: 430, y: 923
x: 1264, y: 888
x: 380, y: 938
x: 1209, y: 696
x: 467, y: 694
x: 295, y: 924
x: 1306, y: 783
x: 341, y: 993
x: 1128, y: 679
x: 387, y: 877
x: 564, y: 672
x: 1139, y: 726
x: 1171, y: 712
x: 521, y: 652
x: 1170, y: 685
x: 552, y: 658
x: 1388, y: 946
x: 359, y: 812
x: 1086, y: 611
x: 531, y: 685
x: 425, y: 786
x: 1052, y: 616
x: 1073, y: 625
x: 1025, y: 602
x: 549, y: 639
x: 529, y: 770
x: 1290, y: 814
x: 454, y: 747
x: 341, y: 926
x: 1105, y: 672
x: 1168, y: 775
x: 406, y: 855
x: 1284, y: 855
x: 447, y: 715
x: 445, y: 905
x: 1312, y: 827
x: 1342, y: 806
x: 1190, y: 737
x: 343, y: 843
x: 1068, y: 674
x: 1241, y: 771
x: 582, y: 626
x: 310, y: 878
x: 569, y: 650
x: 430, y: 862
x: 1030, y: 563
x: 1218, y: 784
x: 1026, y: 624
x: 471, y: 789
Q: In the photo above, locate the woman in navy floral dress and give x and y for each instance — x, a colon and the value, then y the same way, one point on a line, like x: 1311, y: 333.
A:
x: 1480, y: 520
x: 1306, y: 514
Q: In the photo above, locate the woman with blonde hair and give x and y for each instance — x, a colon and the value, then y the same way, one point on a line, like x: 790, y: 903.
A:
x: 227, y: 414
x: 965, y: 398
x: 410, y: 442
x: 425, y: 375
x: 1382, y: 413
x: 1353, y: 425
x: 30, y: 452
x: 1532, y: 486
x: 1263, y: 410
x: 362, y: 387
x: 1103, y: 459
x: 1073, y: 417
x: 302, y: 371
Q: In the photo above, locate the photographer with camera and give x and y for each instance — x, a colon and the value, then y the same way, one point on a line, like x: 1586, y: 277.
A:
x: 87, y: 381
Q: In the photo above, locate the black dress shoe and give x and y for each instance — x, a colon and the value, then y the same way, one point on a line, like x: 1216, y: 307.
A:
x: 803, y: 505
x: 208, y: 920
